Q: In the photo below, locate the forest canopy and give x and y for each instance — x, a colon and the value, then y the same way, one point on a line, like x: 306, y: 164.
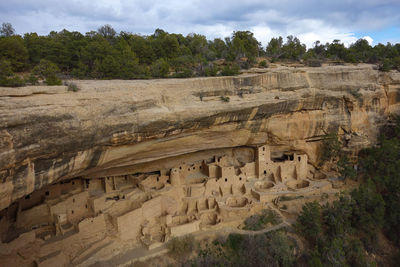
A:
x: 106, y: 54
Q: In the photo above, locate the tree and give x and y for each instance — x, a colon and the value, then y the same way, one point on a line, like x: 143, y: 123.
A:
x: 107, y: 31
x: 336, y: 50
x: 160, y: 68
x: 309, y: 222
x: 48, y: 70
x: 274, y: 47
x: 361, y: 50
x: 7, y: 30
x: 330, y: 147
x: 293, y: 49
x: 369, y: 211
x: 12, y: 48
x: 244, y: 44
x: 5, y: 69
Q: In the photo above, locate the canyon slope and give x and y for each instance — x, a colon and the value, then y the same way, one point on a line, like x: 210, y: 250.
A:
x: 108, y: 128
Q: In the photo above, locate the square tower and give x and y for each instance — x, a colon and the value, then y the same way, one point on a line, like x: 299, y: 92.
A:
x: 263, y: 157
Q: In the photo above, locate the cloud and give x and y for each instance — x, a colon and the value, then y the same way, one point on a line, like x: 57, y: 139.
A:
x: 369, y: 39
x: 310, y: 20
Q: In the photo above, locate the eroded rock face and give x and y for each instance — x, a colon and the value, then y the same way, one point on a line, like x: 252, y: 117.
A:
x: 48, y: 134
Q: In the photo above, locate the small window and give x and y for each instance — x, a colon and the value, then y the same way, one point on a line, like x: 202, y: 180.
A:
x: 73, y: 200
x: 158, y: 179
x: 263, y: 148
x: 73, y: 183
x: 226, y: 179
x: 180, y: 167
x: 299, y: 158
x: 200, y: 167
x: 47, y: 193
x: 72, y: 212
x: 194, y: 168
x: 240, y: 178
x: 265, y: 172
x: 86, y: 206
x: 188, y: 169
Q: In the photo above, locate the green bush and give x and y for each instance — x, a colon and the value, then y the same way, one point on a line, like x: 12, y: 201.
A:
x: 7, y: 77
x: 263, y: 64
x: 5, y: 69
x: 72, y: 87
x: 346, y: 169
x: 309, y: 222
x: 12, y: 82
x: 53, y: 80
x: 185, y: 73
x: 31, y: 79
x: 160, y: 68
x: 271, y: 249
x: 330, y: 147
x: 211, y: 71
x: 260, y: 221
x: 47, y: 70
x: 179, y: 247
x: 230, y: 70
x: 225, y: 99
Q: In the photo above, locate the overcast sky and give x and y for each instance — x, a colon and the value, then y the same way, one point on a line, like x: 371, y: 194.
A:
x: 310, y: 20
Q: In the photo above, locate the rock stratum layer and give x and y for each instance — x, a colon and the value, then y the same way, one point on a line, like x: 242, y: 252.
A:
x: 48, y: 134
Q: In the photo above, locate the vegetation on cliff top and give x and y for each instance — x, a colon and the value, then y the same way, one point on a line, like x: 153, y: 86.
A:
x: 106, y: 54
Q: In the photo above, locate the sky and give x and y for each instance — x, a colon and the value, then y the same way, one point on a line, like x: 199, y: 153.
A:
x: 378, y: 21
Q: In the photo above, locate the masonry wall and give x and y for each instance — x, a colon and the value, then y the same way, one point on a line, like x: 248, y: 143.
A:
x: 76, y: 207
x: 92, y: 229
x: 129, y: 224
x: 35, y: 216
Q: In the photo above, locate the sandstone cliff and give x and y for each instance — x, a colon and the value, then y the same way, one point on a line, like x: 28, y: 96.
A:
x: 114, y: 127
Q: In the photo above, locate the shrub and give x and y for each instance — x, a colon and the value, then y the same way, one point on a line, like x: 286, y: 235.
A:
x: 5, y: 69
x: 185, y: 73
x: 47, y: 70
x: 260, y: 221
x: 12, y: 82
x: 230, y: 70
x: 225, y: 99
x: 309, y: 222
x: 73, y: 87
x: 211, y: 71
x: 330, y: 147
x: 7, y: 77
x: 160, y: 68
x: 346, y: 169
x: 386, y: 65
x: 314, y: 63
x: 31, y: 79
x: 263, y: 64
x: 181, y: 246
x: 53, y: 80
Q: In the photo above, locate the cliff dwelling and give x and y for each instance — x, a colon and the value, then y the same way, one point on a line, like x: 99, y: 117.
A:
x: 150, y: 208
